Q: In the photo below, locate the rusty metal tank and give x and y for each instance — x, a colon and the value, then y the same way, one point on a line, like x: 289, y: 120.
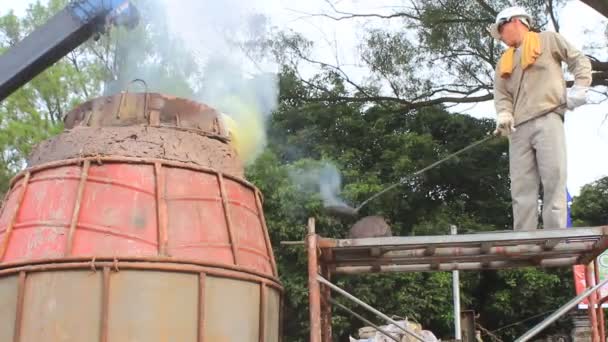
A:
x: 136, y: 224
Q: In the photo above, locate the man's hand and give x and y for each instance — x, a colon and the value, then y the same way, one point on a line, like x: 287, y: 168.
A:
x: 505, y: 124
x: 577, y: 96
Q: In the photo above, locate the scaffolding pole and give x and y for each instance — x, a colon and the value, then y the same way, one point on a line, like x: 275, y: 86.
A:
x: 314, y: 291
x: 560, y: 312
x: 368, y: 307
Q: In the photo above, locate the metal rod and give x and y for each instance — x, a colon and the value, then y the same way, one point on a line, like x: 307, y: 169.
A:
x: 456, y: 295
x: 144, y: 266
x: 314, y: 290
x: 11, y: 223
x: 262, y: 321
x: 77, y: 204
x: 202, y: 278
x: 510, y: 237
x: 516, y: 250
x: 326, y: 332
x: 364, y: 320
x: 20, y: 304
x: 231, y: 233
x: 560, y: 312
x: 462, y: 266
x: 590, y: 278
x: 600, y: 311
x: 368, y: 307
x: 260, y: 207
x: 105, y: 304
x: 161, y: 209
x: 403, y: 179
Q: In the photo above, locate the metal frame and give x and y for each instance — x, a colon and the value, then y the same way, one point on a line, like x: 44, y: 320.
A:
x: 488, y: 250
x: 26, y: 177
x: 108, y: 266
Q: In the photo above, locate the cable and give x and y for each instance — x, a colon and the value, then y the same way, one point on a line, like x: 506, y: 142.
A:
x: 523, y: 320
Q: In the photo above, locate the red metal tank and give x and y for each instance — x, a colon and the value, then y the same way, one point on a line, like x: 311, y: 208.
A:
x: 96, y: 214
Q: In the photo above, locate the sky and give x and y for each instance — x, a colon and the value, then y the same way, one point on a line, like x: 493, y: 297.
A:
x: 586, y: 127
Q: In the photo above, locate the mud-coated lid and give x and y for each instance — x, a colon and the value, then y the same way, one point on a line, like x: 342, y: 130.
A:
x: 148, y: 109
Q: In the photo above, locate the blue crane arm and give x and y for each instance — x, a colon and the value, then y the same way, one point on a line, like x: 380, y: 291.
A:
x: 65, y: 31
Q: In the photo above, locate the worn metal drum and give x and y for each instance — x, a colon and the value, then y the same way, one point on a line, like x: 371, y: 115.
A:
x: 118, y: 247
x: 134, y: 301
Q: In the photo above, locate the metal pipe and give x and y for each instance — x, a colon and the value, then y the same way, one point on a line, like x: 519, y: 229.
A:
x: 364, y: 320
x: 314, y: 289
x: 326, y: 329
x: 560, y: 312
x: 600, y: 311
x: 462, y: 266
x: 590, y: 278
x: 368, y: 307
x: 517, y: 250
x: 456, y: 295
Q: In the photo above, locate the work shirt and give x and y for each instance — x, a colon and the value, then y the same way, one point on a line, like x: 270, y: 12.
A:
x: 542, y: 86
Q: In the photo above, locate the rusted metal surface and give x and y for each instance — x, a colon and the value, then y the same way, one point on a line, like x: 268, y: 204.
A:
x: 326, y: 306
x: 117, y: 301
x: 125, y: 160
x: 263, y: 300
x: 314, y: 291
x: 590, y: 278
x: 105, y: 304
x: 8, y: 307
x: 165, y: 263
x: 273, y: 316
x: 20, y: 303
x: 258, y: 202
x: 457, y: 266
x: 13, y: 218
x: 126, y: 207
x: 232, y: 310
x: 598, y: 300
x: 62, y: 306
x: 231, y: 235
x: 161, y: 208
x: 492, y: 250
x: 76, y: 211
x: 153, y: 306
x: 281, y: 316
x: 201, y: 306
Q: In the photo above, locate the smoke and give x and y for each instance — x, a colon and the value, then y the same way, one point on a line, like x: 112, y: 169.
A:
x: 322, y: 178
x: 207, y: 51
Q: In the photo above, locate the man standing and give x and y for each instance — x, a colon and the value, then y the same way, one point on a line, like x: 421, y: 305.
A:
x: 530, y: 99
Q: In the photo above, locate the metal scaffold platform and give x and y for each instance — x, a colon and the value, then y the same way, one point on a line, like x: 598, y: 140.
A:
x: 466, y: 252
x: 490, y: 250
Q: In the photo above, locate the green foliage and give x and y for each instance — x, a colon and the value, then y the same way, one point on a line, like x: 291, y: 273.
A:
x: 590, y: 208
x: 35, y: 111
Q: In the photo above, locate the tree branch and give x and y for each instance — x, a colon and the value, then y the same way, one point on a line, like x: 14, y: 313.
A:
x: 550, y: 9
x: 487, y: 7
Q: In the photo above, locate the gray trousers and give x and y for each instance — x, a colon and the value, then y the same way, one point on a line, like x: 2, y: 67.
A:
x: 537, y: 154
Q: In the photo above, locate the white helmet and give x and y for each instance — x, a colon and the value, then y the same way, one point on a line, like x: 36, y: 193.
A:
x: 506, y: 15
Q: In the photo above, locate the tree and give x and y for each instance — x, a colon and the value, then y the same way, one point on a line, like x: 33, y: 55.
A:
x: 440, y: 53
x: 35, y: 111
x: 590, y: 208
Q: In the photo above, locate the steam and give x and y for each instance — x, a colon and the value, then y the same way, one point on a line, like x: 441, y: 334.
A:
x: 323, y: 179
x: 207, y: 51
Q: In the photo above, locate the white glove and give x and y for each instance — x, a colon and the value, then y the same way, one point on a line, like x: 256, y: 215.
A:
x: 505, y: 124
x: 577, y: 96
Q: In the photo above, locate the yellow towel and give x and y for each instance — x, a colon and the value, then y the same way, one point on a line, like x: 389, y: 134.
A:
x: 530, y: 52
